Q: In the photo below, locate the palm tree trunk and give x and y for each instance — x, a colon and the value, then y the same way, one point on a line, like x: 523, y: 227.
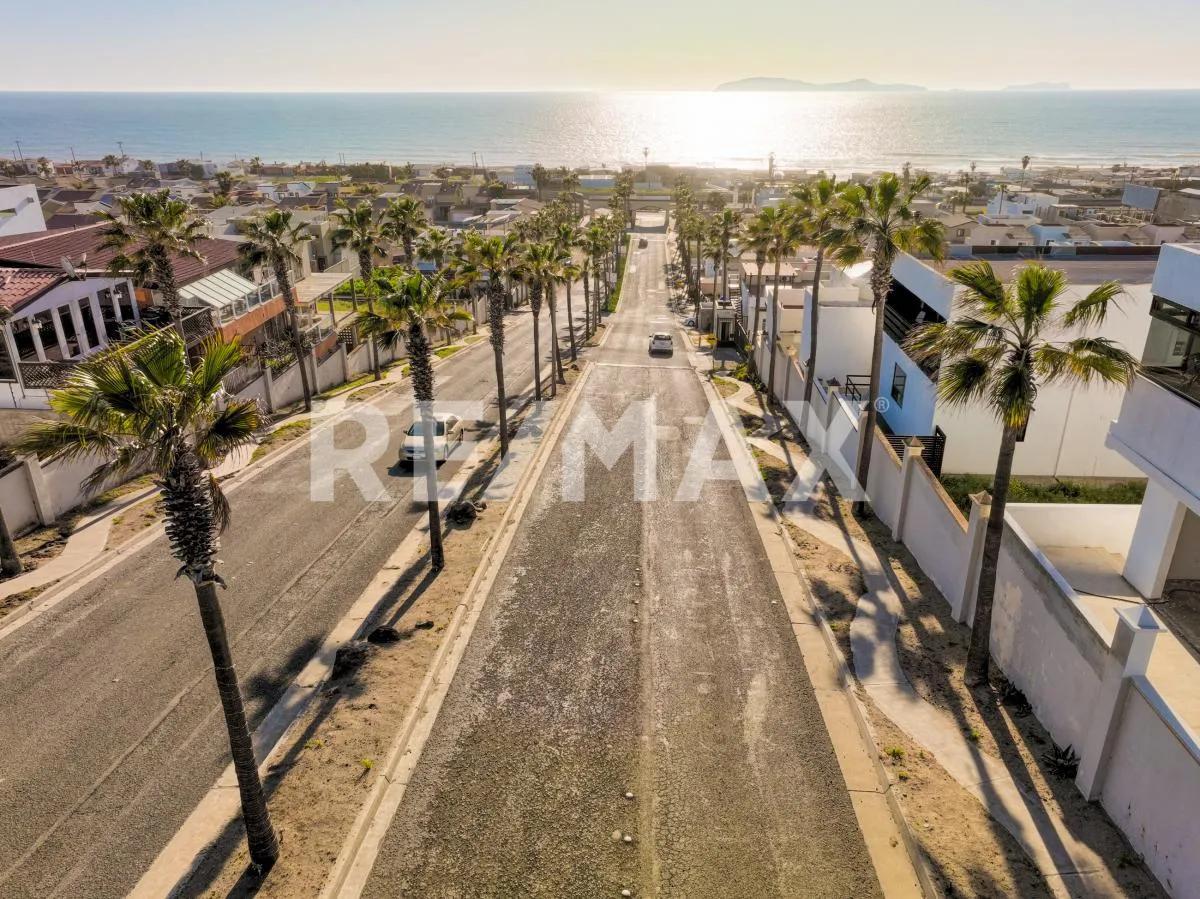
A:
x: 496, y: 318
x: 587, y: 304
x: 536, y: 304
x: 757, y: 303
x: 366, y: 268
x: 867, y: 437
x: 555, y: 354
x: 264, y: 848
x: 10, y: 560
x: 571, y: 324
x: 810, y: 374
x: 289, y: 301
x: 979, y: 653
x: 164, y: 274
x: 422, y: 381
x: 774, y: 325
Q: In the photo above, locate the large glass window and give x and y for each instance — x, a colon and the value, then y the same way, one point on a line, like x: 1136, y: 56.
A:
x: 1172, y: 355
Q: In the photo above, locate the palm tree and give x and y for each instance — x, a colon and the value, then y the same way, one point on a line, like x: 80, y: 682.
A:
x: 998, y: 352
x: 140, y: 407
x: 495, y: 258
x: 758, y: 240
x: 435, y: 246
x: 148, y: 230
x: 537, y: 267
x: 818, y: 210
x: 404, y: 220
x: 567, y: 239
x: 728, y: 227
x: 271, y: 240
x: 10, y: 559
x: 359, y: 230
x: 877, y: 221
x: 594, y: 244
x: 786, y: 231
x: 408, y: 308
x: 540, y: 178
x: 1025, y: 160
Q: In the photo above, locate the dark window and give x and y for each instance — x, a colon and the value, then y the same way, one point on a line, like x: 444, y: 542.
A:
x: 899, y: 381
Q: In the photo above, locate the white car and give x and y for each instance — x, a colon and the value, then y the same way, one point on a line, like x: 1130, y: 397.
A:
x: 660, y: 342
x: 447, y: 437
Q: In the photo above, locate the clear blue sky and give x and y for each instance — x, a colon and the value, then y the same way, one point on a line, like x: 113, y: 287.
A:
x: 399, y: 45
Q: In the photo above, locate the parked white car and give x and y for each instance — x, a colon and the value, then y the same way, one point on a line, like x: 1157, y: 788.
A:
x: 660, y: 342
x: 447, y: 437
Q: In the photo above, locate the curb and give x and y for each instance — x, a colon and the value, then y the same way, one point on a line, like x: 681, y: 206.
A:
x: 805, y: 617
x: 356, y: 859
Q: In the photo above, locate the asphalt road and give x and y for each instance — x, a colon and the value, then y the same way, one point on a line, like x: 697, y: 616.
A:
x: 110, y: 726
x: 630, y: 648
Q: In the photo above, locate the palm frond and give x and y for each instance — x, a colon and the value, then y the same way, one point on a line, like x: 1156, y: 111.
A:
x: 1092, y: 310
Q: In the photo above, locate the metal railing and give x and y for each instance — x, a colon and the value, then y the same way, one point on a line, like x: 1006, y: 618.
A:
x: 934, y: 448
x: 44, y: 375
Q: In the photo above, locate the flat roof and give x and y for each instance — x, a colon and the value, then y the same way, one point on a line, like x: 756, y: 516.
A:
x: 1126, y: 269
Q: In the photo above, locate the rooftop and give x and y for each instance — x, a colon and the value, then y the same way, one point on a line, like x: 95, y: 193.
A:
x: 20, y: 285
x: 48, y: 248
x: 1127, y: 269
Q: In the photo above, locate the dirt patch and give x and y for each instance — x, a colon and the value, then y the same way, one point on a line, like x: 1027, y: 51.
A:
x: 11, y: 603
x: 132, y: 521
x: 726, y: 386
x: 281, y: 436
x: 39, y: 546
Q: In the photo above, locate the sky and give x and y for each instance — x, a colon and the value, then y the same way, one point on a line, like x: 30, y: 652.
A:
x: 535, y: 45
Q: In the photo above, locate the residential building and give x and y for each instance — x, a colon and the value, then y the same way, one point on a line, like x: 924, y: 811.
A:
x: 65, y: 305
x: 53, y: 317
x: 20, y: 210
x: 1158, y: 428
x: 1066, y: 436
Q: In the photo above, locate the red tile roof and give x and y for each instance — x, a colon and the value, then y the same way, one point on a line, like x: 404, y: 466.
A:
x: 47, y: 248
x: 20, y: 285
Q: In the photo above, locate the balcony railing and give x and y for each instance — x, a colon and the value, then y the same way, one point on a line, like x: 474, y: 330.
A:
x: 44, y: 375
x: 253, y: 299
x: 1183, y: 382
x: 898, y: 327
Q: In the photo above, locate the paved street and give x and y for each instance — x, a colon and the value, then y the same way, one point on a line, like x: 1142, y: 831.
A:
x: 630, y: 648
x: 110, y: 728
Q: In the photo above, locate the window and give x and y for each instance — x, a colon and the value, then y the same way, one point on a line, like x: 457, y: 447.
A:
x: 899, y: 380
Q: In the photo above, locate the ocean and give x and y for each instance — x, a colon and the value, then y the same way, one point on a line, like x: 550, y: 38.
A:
x: 940, y: 130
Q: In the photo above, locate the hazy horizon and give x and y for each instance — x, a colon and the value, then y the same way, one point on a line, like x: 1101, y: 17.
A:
x: 400, y: 46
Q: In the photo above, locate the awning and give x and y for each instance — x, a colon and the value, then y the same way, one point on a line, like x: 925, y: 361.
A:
x: 318, y: 284
x: 217, y: 290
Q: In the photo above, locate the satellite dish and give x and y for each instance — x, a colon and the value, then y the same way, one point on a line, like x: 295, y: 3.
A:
x: 67, y: 266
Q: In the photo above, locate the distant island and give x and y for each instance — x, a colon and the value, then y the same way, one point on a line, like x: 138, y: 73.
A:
x: 792, y: 84
x: 1040, y: 86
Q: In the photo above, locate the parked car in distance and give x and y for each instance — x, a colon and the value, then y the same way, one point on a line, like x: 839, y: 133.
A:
x: 447, y: 436
x: 660, y: 342
x: 642, y: 243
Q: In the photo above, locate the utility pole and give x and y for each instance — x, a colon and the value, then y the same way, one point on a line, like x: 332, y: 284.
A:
x: 20, y: 155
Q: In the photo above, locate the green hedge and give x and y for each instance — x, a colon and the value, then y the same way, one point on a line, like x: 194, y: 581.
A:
x: 961, y: 486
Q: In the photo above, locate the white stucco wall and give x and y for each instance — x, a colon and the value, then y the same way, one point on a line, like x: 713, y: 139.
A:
x: 1177, y: 276
x: 936, y: 534
x: 915, y: 415
x: 844, y: 333
x: 1043, y: 642
x: 1152, y: 791
x: 1104, y: 525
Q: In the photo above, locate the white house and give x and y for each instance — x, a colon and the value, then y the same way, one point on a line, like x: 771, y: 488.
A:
x: 1158, y: 428
x: 55, y: 317
x: 1066, y: 436
x: 20, y: 210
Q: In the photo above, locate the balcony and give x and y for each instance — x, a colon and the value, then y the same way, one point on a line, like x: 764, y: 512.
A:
x: 1159, y: 429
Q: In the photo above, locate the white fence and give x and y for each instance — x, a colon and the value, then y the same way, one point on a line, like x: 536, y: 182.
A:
x: 1090, y: 691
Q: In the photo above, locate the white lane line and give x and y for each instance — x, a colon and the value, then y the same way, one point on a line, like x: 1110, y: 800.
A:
x: 643, y: 365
